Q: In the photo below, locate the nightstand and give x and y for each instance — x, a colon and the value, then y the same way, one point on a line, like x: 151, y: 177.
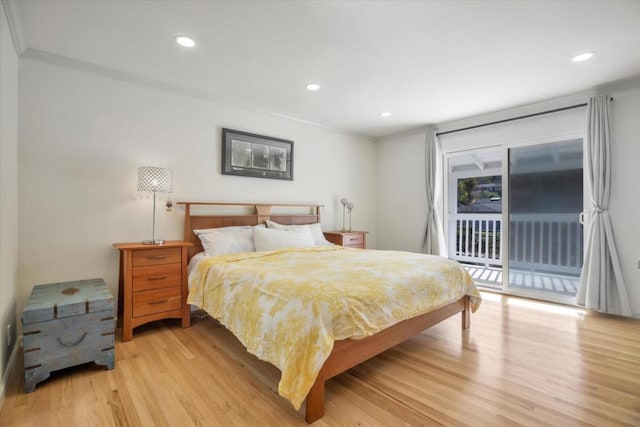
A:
x: 153, y: 284
x: 351, y: 239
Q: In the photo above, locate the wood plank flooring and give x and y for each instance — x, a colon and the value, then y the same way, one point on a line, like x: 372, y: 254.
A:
x: 521, y: 363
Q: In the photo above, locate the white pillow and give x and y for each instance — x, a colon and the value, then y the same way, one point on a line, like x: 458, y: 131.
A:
x: 314, y: 229
x: 226, y: 240
x: 268, y: 239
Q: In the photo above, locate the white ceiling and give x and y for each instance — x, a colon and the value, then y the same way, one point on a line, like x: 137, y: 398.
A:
x: 426, y: 62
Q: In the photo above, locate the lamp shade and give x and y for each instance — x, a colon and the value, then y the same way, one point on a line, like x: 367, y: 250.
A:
x: 158, y: 180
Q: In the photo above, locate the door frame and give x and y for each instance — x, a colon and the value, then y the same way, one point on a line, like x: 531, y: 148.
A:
x: 452, y: 193
x: 505, y: 229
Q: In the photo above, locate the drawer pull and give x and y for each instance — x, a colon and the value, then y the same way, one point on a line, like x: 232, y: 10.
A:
x: 162, y: 301
x: 72, y: 344
x: 157, y: 256
x: 157, y: 277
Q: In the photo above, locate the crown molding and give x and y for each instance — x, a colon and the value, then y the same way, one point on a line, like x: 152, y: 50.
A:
x: 518, y: 110
x: 112, y: 73
x: 534, y: 107
x: 617, y: 85
x: 409, y: 132
x: 515, y: 111
x: 14, y: 19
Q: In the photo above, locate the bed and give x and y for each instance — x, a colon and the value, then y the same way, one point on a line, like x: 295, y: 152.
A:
x: 315, y: 359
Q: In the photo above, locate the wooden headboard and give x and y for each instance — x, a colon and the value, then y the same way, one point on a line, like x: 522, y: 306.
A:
x: 241, y: 214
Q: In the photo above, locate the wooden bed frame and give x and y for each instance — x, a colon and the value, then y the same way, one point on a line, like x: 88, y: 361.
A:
x: 346, y: 353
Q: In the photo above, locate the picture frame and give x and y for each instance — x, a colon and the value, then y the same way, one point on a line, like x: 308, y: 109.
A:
x: 258, y: 156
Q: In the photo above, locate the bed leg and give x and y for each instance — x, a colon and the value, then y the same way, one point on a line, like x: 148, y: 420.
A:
x: 466, y: 313
x: 315, y: 401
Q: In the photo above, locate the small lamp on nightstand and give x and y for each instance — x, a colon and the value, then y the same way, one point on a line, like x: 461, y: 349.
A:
x: 350, y: 207
x: 157, y: 180
x: 344, y: 202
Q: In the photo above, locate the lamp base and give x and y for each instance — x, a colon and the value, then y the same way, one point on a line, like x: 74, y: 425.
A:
x: 153, y: 242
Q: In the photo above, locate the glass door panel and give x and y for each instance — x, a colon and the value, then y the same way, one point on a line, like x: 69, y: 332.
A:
x: 475, y: 213
x: 545, y: 198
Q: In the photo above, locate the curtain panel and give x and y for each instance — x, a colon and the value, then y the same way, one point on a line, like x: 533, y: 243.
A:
x: 434, y: 233
x: 602, y: 286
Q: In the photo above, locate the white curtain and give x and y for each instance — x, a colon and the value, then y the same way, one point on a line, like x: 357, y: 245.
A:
x: 602, y: 287
x: 434, y: 233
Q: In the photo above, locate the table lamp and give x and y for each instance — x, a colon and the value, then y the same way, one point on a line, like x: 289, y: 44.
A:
x: 156, y: 180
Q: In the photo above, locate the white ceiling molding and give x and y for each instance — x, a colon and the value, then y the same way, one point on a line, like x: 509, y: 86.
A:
x: 14, y: 19
x: 430, y: 74
x: 518, y: 110
x: 549, y: 104
x: 633, y: 81
x: 75, y: 64
x: 410, y: 132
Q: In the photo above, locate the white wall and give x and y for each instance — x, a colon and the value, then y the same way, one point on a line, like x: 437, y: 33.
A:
x: 401, y: 193
x: 401, y: 199
x: 8, y: 193
x: 625, y: 175
x: 83, y: 135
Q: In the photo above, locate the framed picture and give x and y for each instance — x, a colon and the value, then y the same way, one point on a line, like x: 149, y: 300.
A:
x: 248, y: 154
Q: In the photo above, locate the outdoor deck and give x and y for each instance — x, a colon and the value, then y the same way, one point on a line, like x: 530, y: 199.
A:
x: 491, y: 277
x: 545, y: 250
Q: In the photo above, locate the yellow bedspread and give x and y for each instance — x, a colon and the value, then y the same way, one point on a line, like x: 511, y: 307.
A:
x: 288, y: 306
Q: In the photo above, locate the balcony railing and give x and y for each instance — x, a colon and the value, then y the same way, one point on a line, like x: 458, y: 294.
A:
x: 542, y: 242
x: 476, y: 237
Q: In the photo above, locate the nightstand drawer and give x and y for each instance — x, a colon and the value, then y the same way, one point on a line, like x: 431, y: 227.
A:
x: 155, y: 256
x: 156, y: 301
x: 156, y: 277
x: 350, y: 239
x: 353, y: 240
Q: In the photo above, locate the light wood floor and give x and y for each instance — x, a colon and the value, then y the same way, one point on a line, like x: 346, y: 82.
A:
x: 521, y: 363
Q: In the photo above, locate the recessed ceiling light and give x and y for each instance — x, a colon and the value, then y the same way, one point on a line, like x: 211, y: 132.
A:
x: 313, y: 86
x: 184, y: 41
x: 385, y: 114
x: 582, y: 56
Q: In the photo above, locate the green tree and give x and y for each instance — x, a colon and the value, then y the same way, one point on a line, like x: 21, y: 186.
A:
x: 464, y: 190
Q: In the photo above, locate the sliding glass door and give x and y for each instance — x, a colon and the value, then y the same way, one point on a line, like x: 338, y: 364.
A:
x: 545, y: 199
x: 514, y: 217
x: 475, y: 213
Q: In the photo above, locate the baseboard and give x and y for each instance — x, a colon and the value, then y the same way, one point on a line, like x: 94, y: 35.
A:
x: 10, y: 366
